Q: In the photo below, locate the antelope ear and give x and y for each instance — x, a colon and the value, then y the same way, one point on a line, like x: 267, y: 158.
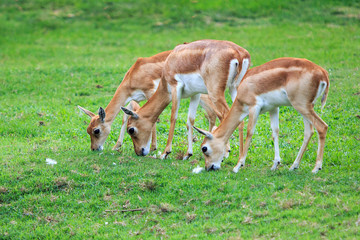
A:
x: 87, y: 112
x: 102, y: 114
x: 205, y: 133
x: 130, y: 113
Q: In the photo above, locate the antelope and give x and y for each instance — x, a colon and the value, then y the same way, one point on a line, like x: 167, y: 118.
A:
x: 200, y: 67
x: 139, y: 83
x: 280, y: 82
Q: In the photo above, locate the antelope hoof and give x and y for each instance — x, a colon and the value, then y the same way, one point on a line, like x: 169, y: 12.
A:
x: 237, y: 167
x: 274, y: 167
x: 117, y: 147
x: 316, y: 169
x: 293, y: 167
x: 187, y: 156
x: 153, y: 146
x: 164, y: 155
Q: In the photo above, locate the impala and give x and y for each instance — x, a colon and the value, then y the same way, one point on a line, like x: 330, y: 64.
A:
x: 204, y: 66
x: 139, y: 83
x: 280, y: 82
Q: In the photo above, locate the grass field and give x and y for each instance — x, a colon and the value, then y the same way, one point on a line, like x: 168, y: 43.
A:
x: 53, y: 54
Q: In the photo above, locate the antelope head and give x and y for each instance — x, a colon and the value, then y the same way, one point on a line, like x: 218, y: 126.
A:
x: 213, y: 149
x: 98, y: 128
x: 139, y: 128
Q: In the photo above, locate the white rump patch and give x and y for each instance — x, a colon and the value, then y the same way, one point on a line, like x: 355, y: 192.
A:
x: 244, y: 68
x: 232, y: 72
x: 320, y: 91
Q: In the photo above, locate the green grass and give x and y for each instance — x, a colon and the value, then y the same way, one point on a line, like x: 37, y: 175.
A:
x: 54, y: 53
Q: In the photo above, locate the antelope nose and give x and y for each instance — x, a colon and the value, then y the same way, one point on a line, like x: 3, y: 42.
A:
x: 142, y: 151
x: 211, y: 167
x: 214, y: 167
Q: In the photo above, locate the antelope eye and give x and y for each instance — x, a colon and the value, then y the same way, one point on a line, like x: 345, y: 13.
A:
x: 131, y: 130
x: 97, y: 131
x: 204, y: 149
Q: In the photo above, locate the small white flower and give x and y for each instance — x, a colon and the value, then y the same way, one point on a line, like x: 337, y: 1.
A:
x: 50, y: 161
x: 198, y: 169
x: 114, y: 163
x: 106, y: 223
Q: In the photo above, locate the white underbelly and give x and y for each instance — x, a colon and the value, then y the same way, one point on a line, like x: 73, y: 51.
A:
x: 192, y: 84
x: 273, y: 99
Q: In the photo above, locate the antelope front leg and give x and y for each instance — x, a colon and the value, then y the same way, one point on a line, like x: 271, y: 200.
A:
x: 241, y: 142
x: 132, y: 105
x: 221, y: 110
x: 241, y: 138
x: 153, y: 139
x: 176, y: 97
x: 253, y: 116
x: 274, y: 122
x: 210, y: 110
x: 194, y: 102
x: 122, y: 133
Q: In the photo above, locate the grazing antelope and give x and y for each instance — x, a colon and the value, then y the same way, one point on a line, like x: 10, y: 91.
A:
x: 280, y: 82
x: 139, y: 83
x: 204, y: 66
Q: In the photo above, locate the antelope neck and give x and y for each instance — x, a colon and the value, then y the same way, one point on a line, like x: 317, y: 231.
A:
x: 156, y: 104
x: 118, y: 101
